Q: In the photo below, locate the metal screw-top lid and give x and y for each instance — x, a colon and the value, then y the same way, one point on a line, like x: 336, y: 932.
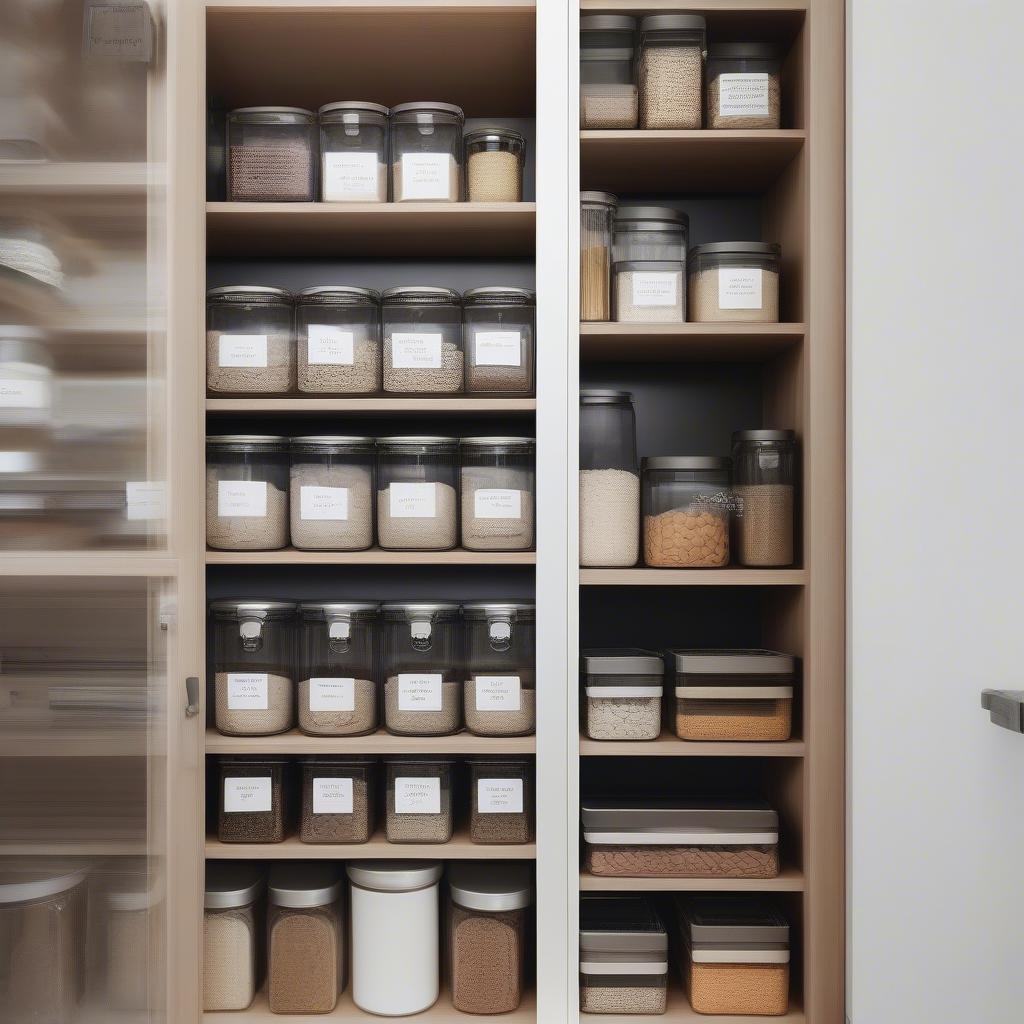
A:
x: 491, y: 886
x: 619, y: 661
x: 354, y: 105
x: 498, y: 445
x: 688, y: 462
x: 607, y: 23
x: 339, y: 294
x: 600, y: 198
x: 231, y: 884
x: 394, y: 875
x: 37, y: 878
x: 673, y: 22
x: 311, y: 884
x: 428, y: 107
x: 763, y: 435
x: 314, y: 609
x: 604, y: 396
x: 249, y: 293
x: 744, y: 51
x: 732, y: 662
x: 420, y: 294
x: 737, y: 249
x: 496, y: 295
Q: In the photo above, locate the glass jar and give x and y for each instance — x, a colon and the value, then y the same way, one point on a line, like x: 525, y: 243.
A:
x: 271, y: 155
x: 609, y: 480
x: 419, y: 799
x: 687, y: 505
x: 337, y: 799
x: 332, y: 492
x: 497, y: 483
x: 354, y: 152
x: 649, y: 233
x: 744, y: 87
x: 608, y: 96
x: 764, y: 482
x: 337, y: 670
x: 253, y: 655
x: 501, y: 674
x: 250, y: 347
x: 494, y: 165
x: 417, y: 493
x: 500, y: 800
x: 422, y: 341
x: 670, y: 70
x: 623, y: 689
x: 133, y: 901
x: 487, y: 936
x: 305, y: 937
x: 734, y: 281
x: 650, y: 292
x: 422, y: 668
x: 247, y: 492
x: 251, y: 799
x: 498, y: 333
x: 337, y: 333
x: 426, y: 152
x: 597, y: 210
x: 229, y: 934
x: 26, y: 380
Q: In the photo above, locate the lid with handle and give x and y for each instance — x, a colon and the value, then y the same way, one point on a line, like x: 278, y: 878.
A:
x: 394, y: 875
x: 732, y: 929
x: 421, y: 618
x: 300, y: 884
x: 337, y: 618
x: 251, y: 617
x: 231, y: 884
x: 490, y: 886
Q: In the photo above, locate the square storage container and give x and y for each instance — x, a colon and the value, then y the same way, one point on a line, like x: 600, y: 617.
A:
x: 623, y: 688
x: 501, y: 800
x: 608, y: 94
x: 252, y: 799
x: 337, y: 799
x: 417, y: 493
x: 494, y: 165
x: 501, y: 678
x: 497, y: 486
x: 230, y: 931
x: 422, y: 340
x: 426, y: 152
x: 744, y: 86
x: 499, y: 340
x: 272, y: 155
x: 419, y: 799
x: 337, y: 340
x: 354, y: 152
x: 732, y: 282
x: 670, y: 70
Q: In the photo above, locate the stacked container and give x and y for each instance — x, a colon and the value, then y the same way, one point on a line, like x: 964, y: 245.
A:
x: 649, y: 249
x: 622, y: 689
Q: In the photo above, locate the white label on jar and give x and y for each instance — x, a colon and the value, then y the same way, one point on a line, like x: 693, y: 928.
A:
x: 247, y: 795
x: 655, y: 288
x: 417, y: 796
x: 24, y: 394
x: 497, y: 693
x: 412, y: 501
x: 413, y: 351
x: 327, y: 345
x: 499, y: 796
x: 739, y: 287
x: 247, y: 691
x: 348, y: 175
x: 496, y: 503
x: 426, y: 176
x: 498, y: 348
x: 145, y: 499
x: 239, y: 498
x: 332, y: 796
x: 743, y: 95
x: 242, y: 350
x: 323, y: 503
x: 419, y: 691
x: 332, y: 694
x: 767, y: 460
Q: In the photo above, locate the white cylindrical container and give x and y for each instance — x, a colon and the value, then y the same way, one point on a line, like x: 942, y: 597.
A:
x: 395, y: 946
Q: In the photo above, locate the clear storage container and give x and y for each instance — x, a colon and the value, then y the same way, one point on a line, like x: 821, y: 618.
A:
x: 272, y: 154
x: 337, y: 668
x: 419, y: 799
x: 354, y: 152
x: 497, y: 484
x: 733, y: 695
x: 609, y: 480
x: 254, y: 657
x: 26, y: 380
x: 488, y: 942
x: 417, y: 493
x: 337, y: 799
x: 501, y: 676
x: 494, y: 165
x: 501, y: 800
x: 608, y: 94
x: 332, y: 492
x: 337, y: 332
x: 687, y: 506
x: 764, y: 482
x: 252, y: 799
x: 422, y: 340
x: 634, y: 838
x: 305, y: 937
x: 230, y: 972
x: 597, y: 209
x: 733, y: 282
x: 670, y: 70
x: 250, y: 347
x: 623, y: 688
x: 426, y: 152
x: 247, y: 492
x: 744, y: 86
x: 647, y: 233
x: 133, y: 901
x: 650, y: 292
x: 498, y: 334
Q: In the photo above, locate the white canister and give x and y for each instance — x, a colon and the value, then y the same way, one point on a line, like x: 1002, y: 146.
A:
x: 395, y: 945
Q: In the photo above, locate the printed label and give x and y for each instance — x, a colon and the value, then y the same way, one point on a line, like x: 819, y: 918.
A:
x: 239, y: 498
x: 739, y: 288
x: 497, y: 693
x: 350, y: 175
x: 242, y: 349
x: 329, y: 346
x: 743, y: 95
x: 655, y: 288
x: 499, y: 796
x: 496, y: 503
x: 24, y: 394
x: 248, y: 691
x: 122, y: 31
x: 323, y: 503
x: 498, y: 348
x: 332, y: 694
x: 145, y: 499
x: 332, y: 796
x: 413, y: 351
x: 426, y: 176
x: 412, y: 501
x: 247, y: 795
x: 417, y: 796
x: 419, y: 691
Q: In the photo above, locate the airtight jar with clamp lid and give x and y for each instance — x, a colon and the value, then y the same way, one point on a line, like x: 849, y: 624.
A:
x: 623, y: 688
x: 501, y: 678
x: 497, y: 485
x: 417, y: 493
x: 229, y: 934
x: 764, y: 480
x: 337, y: 334
x: 247, y: 492
x: 426, y: 152
x: 499, y: 340
x: 354, y: 152
x: 422, y: 340
x: 608, y: 95
x: 271, y: 154
x: 494, y: 165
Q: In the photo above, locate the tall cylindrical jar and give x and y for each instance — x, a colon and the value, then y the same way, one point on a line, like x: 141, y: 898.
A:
x: 417, y: 493
x: 246, y: 492
x: 744, y: 86
x: 497, y: 484
x: 426, y: 152
x: 498, y: 335
x: 764, y: 482
x: 670, y: 70
x: 337, y: 338
x: 422, y: 352
x: 734, y: 281
x: 494, y: 165
x: 608, y: 96
x: 250, y: 346
x: 354, y: 152
x: 597, y: 210
x: 272, y: 154
x: 230, y: 962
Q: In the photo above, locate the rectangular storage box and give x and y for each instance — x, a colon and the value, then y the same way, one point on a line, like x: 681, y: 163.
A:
x: 251, y: 802
x: 623, y: 689
x: 337, y: 799
x: 501, y: 800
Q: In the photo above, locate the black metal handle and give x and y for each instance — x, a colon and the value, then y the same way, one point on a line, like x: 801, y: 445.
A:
x: 1005, y: 708
x: 192, y: 696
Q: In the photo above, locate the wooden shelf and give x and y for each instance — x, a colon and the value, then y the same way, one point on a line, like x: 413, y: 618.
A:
x: 666, y: 343
x: 668, y: 745
x: 363, y: 406
x: 790, y: 880
x: 380, y: 742
x: 709, y: 7
x: 375, y: 556
x: 64, y: 741
x: 87, y: 563
x: 78, y: 180
x: 693, y: 577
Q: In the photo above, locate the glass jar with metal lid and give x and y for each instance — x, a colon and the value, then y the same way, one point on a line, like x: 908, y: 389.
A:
x: 499, y: 696
x: 337, y: 668
x: 26, y: 380
x: 764, y: 481
x: 422, y: 340
x: 497, y: 483
x: 608, y: 95
x: 650, y: 291
x: 354, y: 152
x: 494, y: 165
x: 597, y: 211
x: 332, y: 492
x: 247, y: 492
x: 734, y: 281
x: 670, y: 70
x: 250, y: 346
x: 417, y: 493
x: 337, y: 333
x: 744, y: 87
x: 649, y: 233
x: 337, y: 799
x: 686, y: 507
x: 623, y: 688
x: 254, y: 799
x: 232, y: 891
x: 426, y: 152
x: 499, y: 340
x: 272, y: 154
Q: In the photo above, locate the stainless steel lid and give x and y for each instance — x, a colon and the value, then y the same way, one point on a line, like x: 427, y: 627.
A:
x: 763, y: 435
x: 231, y: 884
x: 736, y: 249
x: 621, y: 661
x: 359, y: 105
x: 410, y: 294
x: 418, y: 444
x: 428, y: 107
x: 304, y: 884
x: 394, y: 875
x: 670, y: 22
x: 691, y: 462
x: 246, y: 290
x: 328, y: 608
x: 495, y: 294
x: 36, y: 878
x: 298, y: 113
x: 333, y: 443
x: 348, y: 293
x: 607, y: 23
x: 731, y: 922
x: 641, y: 816
x: 732, y: 662
x: 247, y: 606
x: 488, y: 609
x: 493, y: 134
x: 491, y: 886
x: 652, y: 215
x: 604, y: 396
x: 498, y: 444
x: 603, y: 198
x: 648, y: 265
x: 744, y: 51
x: 620, y: 924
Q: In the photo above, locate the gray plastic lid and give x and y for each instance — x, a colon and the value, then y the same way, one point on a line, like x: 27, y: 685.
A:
x: 604, y: 396
x: 731, y: 922
x: 493, y: 294
x: 298, y: 884
x: 732, y: 662
x: 673, y: 22
x: 620, y: 661
x: 652, y: 215
x: 231, y: 884
x: 245, y: 290
x: 394, y: 875
x: 607, y: 23
x: 642, y: 266
x: 294, y: 115
x: 428, y: 107
x: 736, y: 249
x: 411, y: 294
x: 327, y: 608
x: 493, y: 134
x: 691, y: 462
x: 247, y: 606
x: 744, y: 51
x: 628, y: 924
x: 347, y: 294
x: 365, y: 105
x: 763, y: 435
x: 498, y: 444
x: 662, y: 815
x: 490, y: 886
x: 37, y: 878
x: 522, y: 610
x: 603, y: 198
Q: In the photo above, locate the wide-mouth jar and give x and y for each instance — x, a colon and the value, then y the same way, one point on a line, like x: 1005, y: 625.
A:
x: 354, y: 152
x: 426, y: 152
x: 764, y: 481
x: 734, y: 281
x: 337, y: 340
x: 337, y: 799
x: 494, y: 165
x: 417, y: 493
x: 622, y: 689
x: 597, y: 212
x: 232, y: 890
x: 499, y: 329
x: 500, y: 800
x: 608, y: 93
x: 670, y: 70
x: 650, y: 291
x: 744, y: 86
x: 497, y: 484
x: 252, y: 799
x: 419, y: 799
x: 649, y: 233
x: 422, y: 349
x: 272, y: 154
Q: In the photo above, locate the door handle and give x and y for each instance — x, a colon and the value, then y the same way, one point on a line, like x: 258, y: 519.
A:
x: 192, y: 696
x: 1005, y: 708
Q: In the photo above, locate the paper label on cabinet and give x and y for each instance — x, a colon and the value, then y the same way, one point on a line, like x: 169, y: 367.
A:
x: 497, y: 693
x: 248, y: 795
x: 655, y: 288
x: 417, y: 796
x: 247, y: 691
x: 411, y: 350
x: 327, y: 345
x: 743, y: 95
x: 426, y: 176
x: 327, y: 693
x: 497, y: 348
x: 145, y: 499
x: 242, y: 350
x: 499, y: 796
x: 320, y: 503
x: 419, y: 691
x: 497, y: 503
x: 332, y: 796
x: 242, y: 498
x: 24, y: 394
x: 350, y: 175
x: 739, y: 287
x: 412, y: 501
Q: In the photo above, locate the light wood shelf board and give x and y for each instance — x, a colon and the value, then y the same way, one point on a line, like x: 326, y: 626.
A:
x: 668, y: 745
x: 365, y: 406
x: 789, y: 880
x: 78, y: 180
x: 61, y: 741
x: 693, y: 577
x: 380, y: 742
x: 75, y: 848
x: 87, y: 563
x: 375, y: 556
x: 706, y: 7
x: 613, y: 342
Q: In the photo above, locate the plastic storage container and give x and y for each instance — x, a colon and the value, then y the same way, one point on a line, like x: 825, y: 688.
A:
x: 733, y: 695
x: 650, y: 292
x: 488, y: 934
x: 395, y: 946
x: 500, y: 662
x: 629, y: 838
x: 494, y: 165
x: 417, y: 493
x: 623, y: 955
x: 272, y: 154
x: 252, y: 799
x: 254, y: 657
x: 26, y: 380
x: 337, y: 333
x: 419, y: 799
x: 499, y: 340
x: 608, y: 94
x: 687, y: 507
x: 734, y: 281
x: 670, y: 70
x: 250, y: 348
x: 597, y: 209
x: 764, y: 482
x: 247, y: 492
x: 336, y: 668
x: 744, y: 86
x: 497, y: 485
x: 609, y: 480
x: 422, y: 340
x: 623, y: 688
x: 354, y: 152
x: 645, y: 233
x: 426, y: 152
x: 337, y: 799
x: 229, y: 934
x: 133, y: 901
x: 501, y: 800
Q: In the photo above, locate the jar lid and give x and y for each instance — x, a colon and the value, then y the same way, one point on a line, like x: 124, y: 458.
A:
x: 732, y: 662
x: 418, y: 443
x: 246, y: 606
x: 372, y: 108
x: 231, y: 884
x: 247, y: 442
x: 333, y: 444
x: 394, y: 875
x: 626, y: 924
x: 618, y: 661
x: 736, y: 248
x: 493, y: 134
x: 347, y: 293
x: 498, y: 444
x: 428, y: 107
x: 691, y: 462
x: 663, y: 22
x: 641, y: 266
x: 603, y: 198
x: 490, y: 886
x: 652, y: 815
x: 607, y: 23
x: 731, y: 923
x: 495, y: 294
x: 297, y: 884
x: 36, y: 878
x: 271, y: 110
x: 763, y: 435
x: 312, y: 608
x: 604, y: 396
x: 521, y: 610
x: 403, y: 610
x: 658, y: 214
x: 132, y: 887
x: 741, y: 51
x: 412, y: 294
x: 246, y: 291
